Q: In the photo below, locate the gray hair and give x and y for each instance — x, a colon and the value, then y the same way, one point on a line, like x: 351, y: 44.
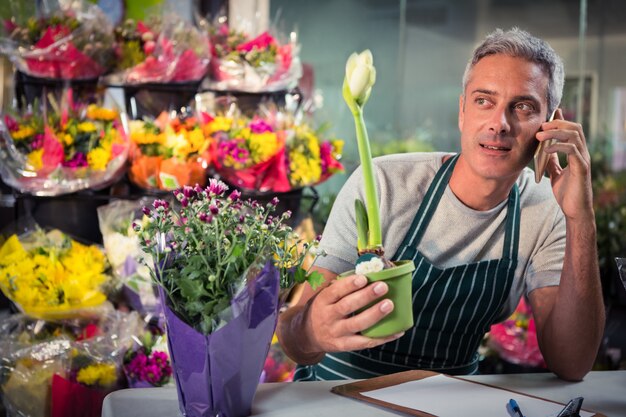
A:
x: 521, y: 44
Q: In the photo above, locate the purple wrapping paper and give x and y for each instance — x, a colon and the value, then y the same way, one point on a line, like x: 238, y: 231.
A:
x: 217, y: 374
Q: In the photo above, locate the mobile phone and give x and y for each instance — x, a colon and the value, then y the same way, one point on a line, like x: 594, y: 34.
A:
x: 541, y: 157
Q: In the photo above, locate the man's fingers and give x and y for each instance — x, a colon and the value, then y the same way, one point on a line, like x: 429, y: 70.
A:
x: 574, y: 157
x: 367, y: 318
x: 342, y: 287
x: 359, y: 299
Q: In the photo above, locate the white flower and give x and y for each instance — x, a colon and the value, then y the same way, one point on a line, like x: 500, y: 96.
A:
x: 366, y: 267
x: 360, y: 75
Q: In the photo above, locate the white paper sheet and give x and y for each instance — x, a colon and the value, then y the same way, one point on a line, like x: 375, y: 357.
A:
x: 444, y: 396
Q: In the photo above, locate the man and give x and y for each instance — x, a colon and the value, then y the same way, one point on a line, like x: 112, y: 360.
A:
x: 495, y: 236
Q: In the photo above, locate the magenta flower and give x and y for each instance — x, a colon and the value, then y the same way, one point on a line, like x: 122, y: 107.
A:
x: 12, y: 125
x: 234, y: 149
x: 216, y: 188
x: 260, y: 126
x: 79, y: 160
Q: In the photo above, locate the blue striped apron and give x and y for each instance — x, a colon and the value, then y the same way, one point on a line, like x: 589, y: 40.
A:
x: 453, y: 307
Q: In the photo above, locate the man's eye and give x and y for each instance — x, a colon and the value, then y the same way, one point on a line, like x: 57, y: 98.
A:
x: 481, y: 101
x: 524, y: 107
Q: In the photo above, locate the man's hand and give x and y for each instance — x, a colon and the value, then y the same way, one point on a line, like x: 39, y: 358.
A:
x: 332, y: 325
x: 326, y: 320
x: 571, y: 185
x: 570, y: 318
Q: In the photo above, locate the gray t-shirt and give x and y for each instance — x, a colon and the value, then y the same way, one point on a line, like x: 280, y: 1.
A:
x: 456, y: 234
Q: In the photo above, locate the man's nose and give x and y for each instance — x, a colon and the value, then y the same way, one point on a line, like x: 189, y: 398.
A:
x: 500, y: 121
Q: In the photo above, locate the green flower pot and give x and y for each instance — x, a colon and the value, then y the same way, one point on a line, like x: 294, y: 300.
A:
x: 398, y: 279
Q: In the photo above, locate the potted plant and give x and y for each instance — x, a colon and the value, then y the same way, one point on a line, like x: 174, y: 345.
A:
x: 357, y: 87
x: 220, y: 263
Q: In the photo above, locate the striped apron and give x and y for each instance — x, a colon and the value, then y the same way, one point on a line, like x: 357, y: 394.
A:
x: 453, y: 307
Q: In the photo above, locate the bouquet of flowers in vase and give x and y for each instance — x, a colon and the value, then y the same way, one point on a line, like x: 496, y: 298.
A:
x: 171, y: 151
x: 160, y: 51
x: 50, y: 276
x: 220, y: 262
x: 242, y: 62
x: 63, y: 148
x: 73, y: 43
x: 515, y: 339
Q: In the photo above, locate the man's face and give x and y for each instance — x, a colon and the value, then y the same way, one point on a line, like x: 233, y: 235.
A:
x: 503, y: 106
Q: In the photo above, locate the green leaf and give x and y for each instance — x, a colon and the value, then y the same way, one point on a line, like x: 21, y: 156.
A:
x: 299, y: 276
x: 315, y: 279
x: 362, y: 225
x: 190, y: 289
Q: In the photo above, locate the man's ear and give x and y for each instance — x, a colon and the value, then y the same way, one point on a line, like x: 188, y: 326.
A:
x: 461, y: 111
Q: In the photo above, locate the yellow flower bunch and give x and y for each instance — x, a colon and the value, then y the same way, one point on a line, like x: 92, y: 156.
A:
x: 102, y: 375
x: 53, y: 274
x: 100, y: 113
x: 171, y: 137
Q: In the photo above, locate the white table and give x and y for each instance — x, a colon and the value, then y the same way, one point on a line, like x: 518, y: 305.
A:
x: 603, y: 391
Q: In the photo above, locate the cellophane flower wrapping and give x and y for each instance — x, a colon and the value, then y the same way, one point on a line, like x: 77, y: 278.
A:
x: 515, y: 339
x: 268, y: 61
x: 50, y: 276
x: 74, y: 43
x: 147, y: 364
x: 63, y: 367
x: 171, y: 151
x: 128, y: 261
x: 218, y: 373
x: 274, y: 151
x: 160, y: 50
x: 60, y: 148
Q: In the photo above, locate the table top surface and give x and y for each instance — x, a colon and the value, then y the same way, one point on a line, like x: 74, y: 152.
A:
x: 604, y: 391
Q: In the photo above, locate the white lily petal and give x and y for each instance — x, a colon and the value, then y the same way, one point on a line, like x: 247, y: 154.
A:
x: 359, y: 81
x: 351, y: 64
x: 367, y: 58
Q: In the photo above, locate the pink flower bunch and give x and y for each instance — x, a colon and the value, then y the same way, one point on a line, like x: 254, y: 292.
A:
x: 152, y: 367
x: 515, y: 339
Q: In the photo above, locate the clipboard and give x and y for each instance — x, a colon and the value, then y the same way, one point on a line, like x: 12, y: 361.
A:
x: 355, y: 389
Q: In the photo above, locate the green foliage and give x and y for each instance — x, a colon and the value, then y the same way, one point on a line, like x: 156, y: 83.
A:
x: 610, y: 208
x: 207, y: 249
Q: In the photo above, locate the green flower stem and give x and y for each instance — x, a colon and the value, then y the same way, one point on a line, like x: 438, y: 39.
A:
x: 371, y: 196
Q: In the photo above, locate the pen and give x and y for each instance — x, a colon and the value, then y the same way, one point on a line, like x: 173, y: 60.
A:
x: 515, y: 410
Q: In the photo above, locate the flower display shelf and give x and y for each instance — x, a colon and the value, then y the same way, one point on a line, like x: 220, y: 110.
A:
x: 29, y: 88
x: 150, y: 99
x: 249, y: 102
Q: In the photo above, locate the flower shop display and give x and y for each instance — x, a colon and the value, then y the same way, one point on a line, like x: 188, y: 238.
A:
x: 147, y: 364
x: 166, y: 50
x: 72, y: 43
x: 63, y: 367
x: 51, y: 276
x: 515, y: 339
x: 357, y: 87
x: 171, y: 151
x: 127, y: 260
x: 251, y: 63
x: 278, y: 367
x: 261, y: 154
x: 220, y: 263
x: 62, y: 148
